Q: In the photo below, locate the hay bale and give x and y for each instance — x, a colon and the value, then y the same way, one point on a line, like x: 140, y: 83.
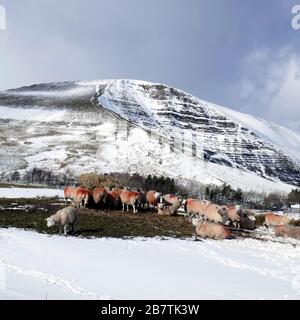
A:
x: 93, y: 180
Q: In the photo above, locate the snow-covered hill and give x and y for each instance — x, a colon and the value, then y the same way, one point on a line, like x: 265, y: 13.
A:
x: 281, y: 137
x: 136, y: 126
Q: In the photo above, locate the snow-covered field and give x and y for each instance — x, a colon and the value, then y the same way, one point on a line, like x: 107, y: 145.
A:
x: 37, y: 266
x: 30, y: 193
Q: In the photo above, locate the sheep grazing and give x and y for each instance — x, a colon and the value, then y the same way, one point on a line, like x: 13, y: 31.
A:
x: 169, y: 199
x: 170, y: 210
x: 216, y: 213
x: 212, y: 230
x: 129, y: 198
x: 273, y: 220
x: 99, y: 196
x: 234, y: 215
x: 143, y: 199
x: 194, y: 206
x: 63, y: 218
x: 82, y: 197
x: 209, y: 211
x: 69, y: 193
x: 287, y: 231
x: 152, y: 198
x: 113, y: 200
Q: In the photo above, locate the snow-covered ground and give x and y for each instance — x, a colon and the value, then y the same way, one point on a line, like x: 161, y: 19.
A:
x: 37, y: 266
x: 30, y: 193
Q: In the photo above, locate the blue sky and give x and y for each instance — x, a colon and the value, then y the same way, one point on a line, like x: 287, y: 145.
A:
x: 240, y: 54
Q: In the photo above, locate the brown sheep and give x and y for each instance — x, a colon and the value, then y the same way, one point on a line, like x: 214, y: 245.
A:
x: 170, y: 210
x: 212, y: 230
x: 69, y: 193
x: 113, y: 200
x: 194, y: 206
x: 216, y: 213
x: 129, y: 198
x: 152, y: 198
x: 99, y: 195
x: 273, y: 220
x: 82, y: 197
x: 207, y: 210
x: 287, y: 231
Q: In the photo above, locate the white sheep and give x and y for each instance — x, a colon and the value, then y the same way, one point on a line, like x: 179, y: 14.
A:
x: 63, y: 218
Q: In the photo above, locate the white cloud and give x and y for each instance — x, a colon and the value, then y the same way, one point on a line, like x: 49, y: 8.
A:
x: 270, y: 85
x: 286, y: 103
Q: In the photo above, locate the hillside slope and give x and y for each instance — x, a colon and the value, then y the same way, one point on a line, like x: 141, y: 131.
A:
x: 124, y: 125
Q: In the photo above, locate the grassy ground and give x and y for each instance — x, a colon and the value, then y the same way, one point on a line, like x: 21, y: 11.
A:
x: 30, y: 214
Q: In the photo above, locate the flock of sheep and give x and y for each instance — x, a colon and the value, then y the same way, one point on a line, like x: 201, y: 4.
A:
x: 210, y: 220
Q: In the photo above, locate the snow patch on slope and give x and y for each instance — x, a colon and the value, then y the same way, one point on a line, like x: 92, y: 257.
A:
x: 31, y: 114
x: 281, y: 137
